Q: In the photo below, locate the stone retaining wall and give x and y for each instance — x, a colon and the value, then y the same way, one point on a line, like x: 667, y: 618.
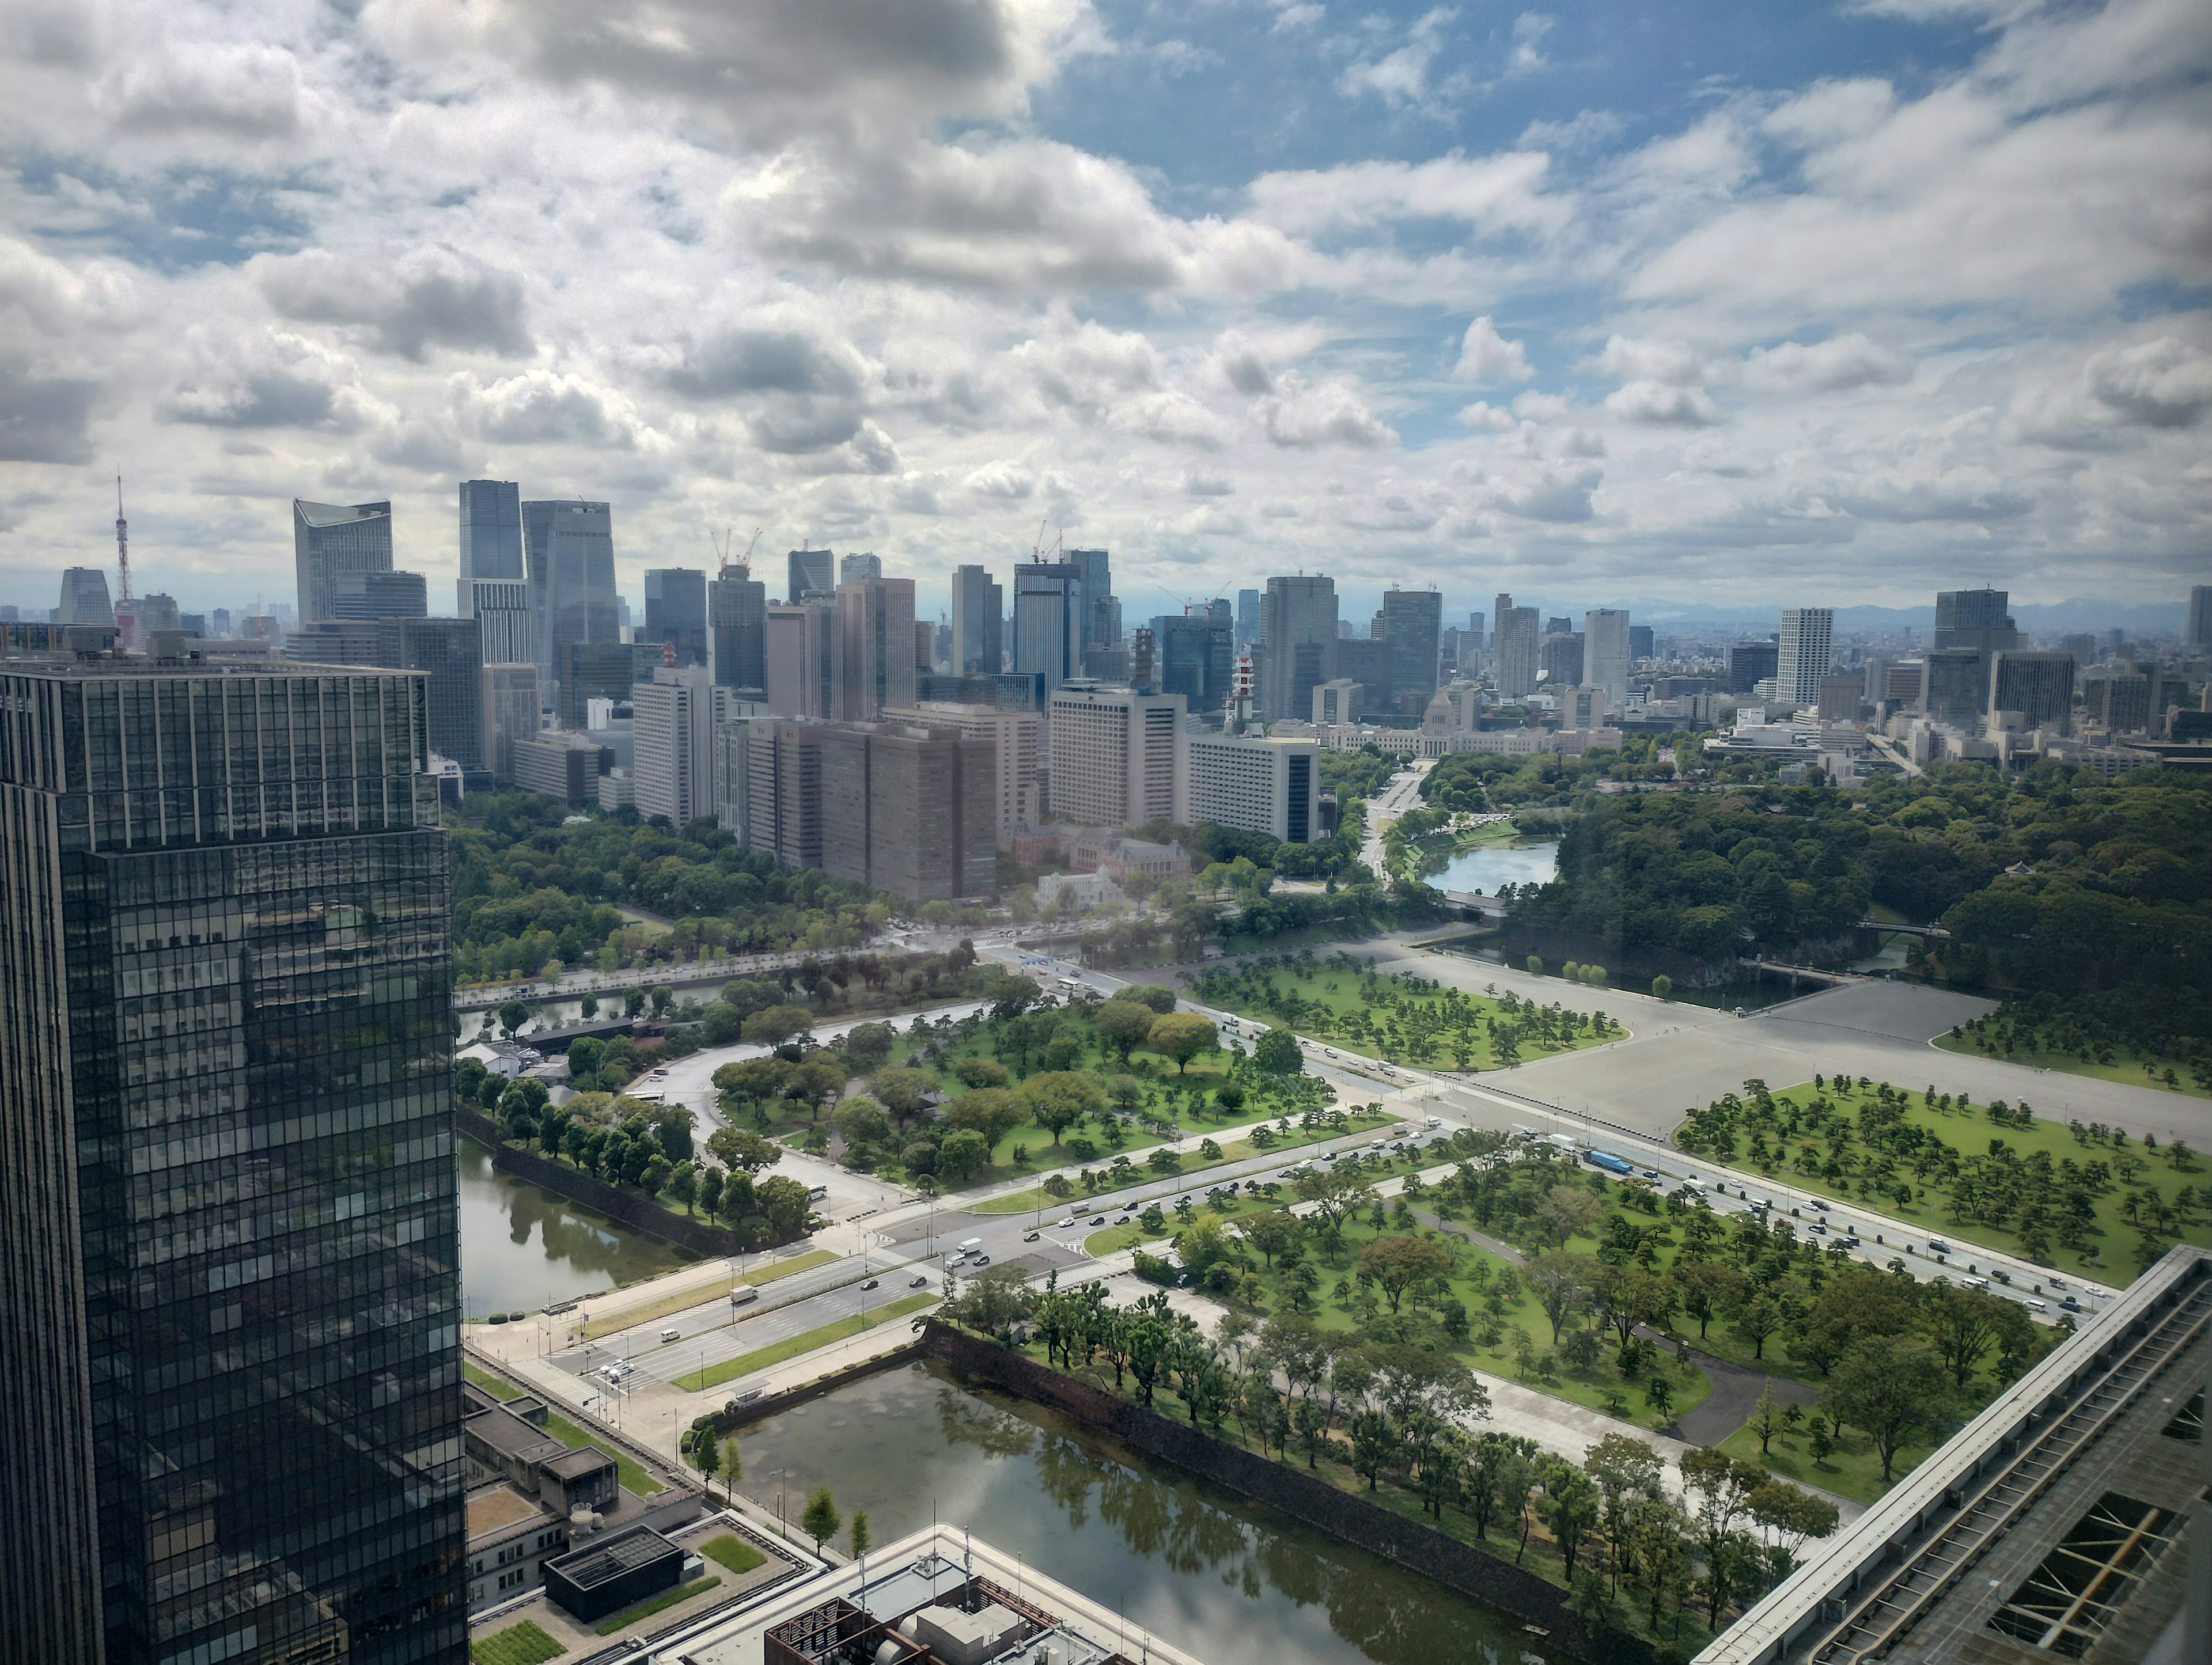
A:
x: 631, y: 1209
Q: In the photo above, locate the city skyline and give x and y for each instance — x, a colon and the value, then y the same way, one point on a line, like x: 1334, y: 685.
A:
x: 1416, y: 296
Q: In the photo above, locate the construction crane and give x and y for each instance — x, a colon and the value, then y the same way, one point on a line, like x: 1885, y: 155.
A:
x: 727, y: 542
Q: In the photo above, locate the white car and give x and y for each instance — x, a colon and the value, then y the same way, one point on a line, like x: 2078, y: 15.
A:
x: 1062, y: 1225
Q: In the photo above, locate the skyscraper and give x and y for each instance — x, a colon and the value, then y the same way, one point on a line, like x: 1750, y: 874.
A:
x: 229, y: 1274
x: 1559, y: 656
x: 737, y: 625
x: 1805, y: 652
x: 979, y: 606
x: 331, y: 538
x: 451, y: 651
x: 1295, y: 612
x: 2039, y: 686
x: 1048, y: 615
x: 675, y: 735
x: 809, y: 572
x: 379, y: 595
x: 569, y: 546
x: 84, y: 598
x: 500, y: 607
x: 2199, y: 632
x: 1194, y: 657
x: 1116, y: 755
x: 1248, y: 618
x: 592, y: 670
x: 512, y: 703
x: 909, y: 808
x: 491, y: 538
x: 676, y: 612
x: 874, y: 647
x: 1412, y: 624
x: 1514, y: 652
x: 1954, y: 686
x: 1606, y: 653
x: 1101, y: 612
x: 859, y: 566
x: 1751, y: 663
x: 801, y: 658
x: 1976, y: 619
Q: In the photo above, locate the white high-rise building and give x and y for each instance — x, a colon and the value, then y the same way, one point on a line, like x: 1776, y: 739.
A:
x: 1255, y: 785
x: 1806, y: 654
x: 502, y: 606
x: 1116, y: 755
x: 675, y: 736
x: 1605, y: 653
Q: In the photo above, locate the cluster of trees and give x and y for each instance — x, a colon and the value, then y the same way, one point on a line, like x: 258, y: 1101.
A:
x: 1410, y: 1419
x: 2168, y: 1037
x: 530, y: 890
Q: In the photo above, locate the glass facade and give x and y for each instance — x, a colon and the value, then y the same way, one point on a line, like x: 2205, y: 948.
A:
x: 230, y: 1264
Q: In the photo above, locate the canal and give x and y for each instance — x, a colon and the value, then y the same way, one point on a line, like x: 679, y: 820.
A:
x: 524, y: 1247
x: 1232, y: 1581
x: 1487, y: 867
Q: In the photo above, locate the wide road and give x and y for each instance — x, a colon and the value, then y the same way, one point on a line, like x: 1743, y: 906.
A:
x: 1401, y: 793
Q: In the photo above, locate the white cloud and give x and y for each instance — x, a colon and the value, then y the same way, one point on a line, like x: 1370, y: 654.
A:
x: 2166, y: 383
x: 1301, y: 417
x: 1839, y: 363
x: 1498, y: 194
x: 435, y: 296
x: 1485, y: 357
x: 1663, y: 404
x: 1400, y: 78
x: 1676, y: 363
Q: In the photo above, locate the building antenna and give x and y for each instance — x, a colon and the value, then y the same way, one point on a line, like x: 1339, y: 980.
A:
x: 126, y: 606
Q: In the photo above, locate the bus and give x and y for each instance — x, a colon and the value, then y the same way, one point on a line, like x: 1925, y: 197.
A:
x: 1610, y: 1163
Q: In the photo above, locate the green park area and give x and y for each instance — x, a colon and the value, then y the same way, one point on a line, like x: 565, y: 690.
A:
x: 2063, y: 1042
x: 522, y: 1644
x: 1399, y: 1018
x: 2072, y: 1196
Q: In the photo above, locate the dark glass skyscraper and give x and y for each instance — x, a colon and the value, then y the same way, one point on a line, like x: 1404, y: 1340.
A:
x: 332, y: 539
x: 569, y: 546
x: 737, y: 623
x: 676, y: 612
x: 229, y: 1279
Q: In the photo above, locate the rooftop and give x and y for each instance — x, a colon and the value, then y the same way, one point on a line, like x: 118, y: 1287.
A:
x: 497, y: 1507
x: 610, y: 1558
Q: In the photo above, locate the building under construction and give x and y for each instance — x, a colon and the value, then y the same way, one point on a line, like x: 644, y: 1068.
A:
x: 2069, y: 1519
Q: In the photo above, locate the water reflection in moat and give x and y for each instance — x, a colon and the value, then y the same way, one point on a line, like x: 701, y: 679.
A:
x: 522, y: 1247
x: 1224, y: 1579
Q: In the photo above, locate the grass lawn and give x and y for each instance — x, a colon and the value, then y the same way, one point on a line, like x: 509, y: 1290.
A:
x: 517, y: 1644
x: 684, y: 1300
x: 489, y: 1381
x: 2109, y: 1244
x: 791, y: 1346
x: 2139, y: 1069
x: 733, y: 1551
x: 646, y: 1609
x: 1387, y: 1016
x: 632, y: 1473
x: 1852, y: 1470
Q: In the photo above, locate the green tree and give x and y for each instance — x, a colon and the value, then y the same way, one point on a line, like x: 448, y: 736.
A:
x: 1278, y: 1052
x: 743, y: 1149
x: 1766, y: 1416
x: 1156, y: 997
x: 1058, y: 1099
x: 513, y: 1016
x: 1123, y: 1024
x: 1181, y: 1036
x: 821, y: 1518
x: 1400, y: 1263
x: 862, y: 1121
x: 991, y: 1111
x: 962, y: 1155
x: 706, y: 1456
x: 904, y: 1092
x: 1560, y: 1280
x: 1662, y: 987
x: 860, y: 1536
x: 1276, y: 1231
x: 981, y: 1072
x: 773, y: 1025
x: 1896, y: 1393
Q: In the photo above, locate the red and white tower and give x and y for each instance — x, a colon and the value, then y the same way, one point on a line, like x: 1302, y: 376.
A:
x: 126, y: 604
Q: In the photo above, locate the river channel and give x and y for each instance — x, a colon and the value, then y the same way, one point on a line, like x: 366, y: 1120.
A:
x: 524, y: 1247
x: 1232, y: 1581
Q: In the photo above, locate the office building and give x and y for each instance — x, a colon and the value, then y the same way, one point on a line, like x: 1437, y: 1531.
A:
x: 1840, y: 697
x: 909, y: 808
x: 568, y: 548
x: 1363, y: 659
x: 1048, y: 620
x: 1017, y: 742
x: 927, y: 637
x: 336, y: 641
x: 2124, y: 700
x: 874, y: 647
x: 1102, y: 611
x: 1195, y: 656
x: 2197, y: 634
x: 501, y: 607
x: 229, y: 1272
x: 1339, y: 700
x: 1295, y: 613
x: 1475, y: 626
x: 1903, y: 684
x: 736, y: 629
x: 1117, y: 755
x: 1412, y: 625
x: 1975, y: 618
x: 1639, y: 643
x: 674, y: 739
x: 809, y: 572
x: 1751, y: 663
x: 332, y: 540
x: 978, y: 608
x: 451, y: 651
x: 379, y: 595
x: 783, y: 792
x: 2039, y: 686
x: 1805, y: 652
x: 801, y: 658
x: 490, y: 544
x: 1513, y: 654
x: 560, y: 765
x: 512, y: 703
x: 1560, y: 656
x: 156, y: 612
x: 1247, y: 618
x: 1607, y: 654
x: 592, y: 671
x: 1009, y: 690
x: 676, y: 613
x: 851, y: 567
x: 1255, y: 785
x: 1955, y: 687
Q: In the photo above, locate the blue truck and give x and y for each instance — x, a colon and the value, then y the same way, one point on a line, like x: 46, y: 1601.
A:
x: 1610, y: 1163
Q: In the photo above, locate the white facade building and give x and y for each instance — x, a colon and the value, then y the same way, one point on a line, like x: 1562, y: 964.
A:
x: 1265, y: 785
x: 675, y: 733
x: 1806, y: 653
x: 1116, y: 755
x: 1605, y: 653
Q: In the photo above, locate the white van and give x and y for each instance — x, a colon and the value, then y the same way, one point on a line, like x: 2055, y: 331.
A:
x: 970, y: 1245
x: 671, y: 1334
x: 744, y: 1296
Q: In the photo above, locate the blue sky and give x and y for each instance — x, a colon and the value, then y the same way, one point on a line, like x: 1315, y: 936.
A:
x: 1726, y: 304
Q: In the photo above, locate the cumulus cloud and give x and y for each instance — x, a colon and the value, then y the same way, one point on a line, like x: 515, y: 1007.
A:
x: 760, y: 360
x: 1835, y: 365
x: 1662, y: 404
x: 279, y: 381
x: 1400, y: 78
x: 1301, y: 418
x: 2166, y: 383
x: 547, y: 407
x: 43, y: 418
x: 234, y: 89
x: 1485, y: 357
x: 1500, y: 192
x: 1676, y: 363
x: 431, y: 297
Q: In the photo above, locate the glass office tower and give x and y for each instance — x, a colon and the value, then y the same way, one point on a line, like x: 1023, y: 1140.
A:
x: 230, y: 1278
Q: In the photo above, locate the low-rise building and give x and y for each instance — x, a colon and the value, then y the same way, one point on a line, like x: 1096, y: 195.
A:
x: 510, y: 1538
x: 1112, y: 852
x: 559, y: 765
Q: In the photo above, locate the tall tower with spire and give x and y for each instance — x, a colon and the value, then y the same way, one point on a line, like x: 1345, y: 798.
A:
x: 126, y: 605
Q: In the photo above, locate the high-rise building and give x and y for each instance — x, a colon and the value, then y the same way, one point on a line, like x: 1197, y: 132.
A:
x: 2199, y: 632
x: 1412, y: 623
x: 219, y: 621
x: 676, y: 612
x: 332, y: 539
x: 592, y: 670
x: 229, y: 1271
x: 809, y: 572
x: 1476, y: 637
x: 379, y: 595
x: 874, y: 648
x: 1195, y: 656
x: 851, y: 567
x: 1976, y: 619
x: 1955, y: 687
x: 336, y: 641
x: 1294, y: 612
x: 801, y: 658
x: 1117, y: 755
x: 2124, y: 699
x: 569, y: 546
x: 1362, y: 659
x: 451, y: 651
x: 502, y: 606
x: 675, y: 738
x: 979, y: 604
x: 909, y: 808
x: 783, y: 792
x: 512, y: 703
x: 1560, y: 657
x: 1607, y: 654
x: 1247, y: 618
x: 491, y: 540
x: 157, y: 612
x: 1339, y: 700
x: 1048, y: 620
x: 1017, y: 742
x: 1805, y: 652
x: 1263, y: 785
x: 1840, y: 696
x: 1513, y: 653
x: 736, y: 626
x: 1101, y: 612
x: 1902, y: 684
x: 2039, y: 686
x: 1751, y: 663
x: 1639, y: 643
